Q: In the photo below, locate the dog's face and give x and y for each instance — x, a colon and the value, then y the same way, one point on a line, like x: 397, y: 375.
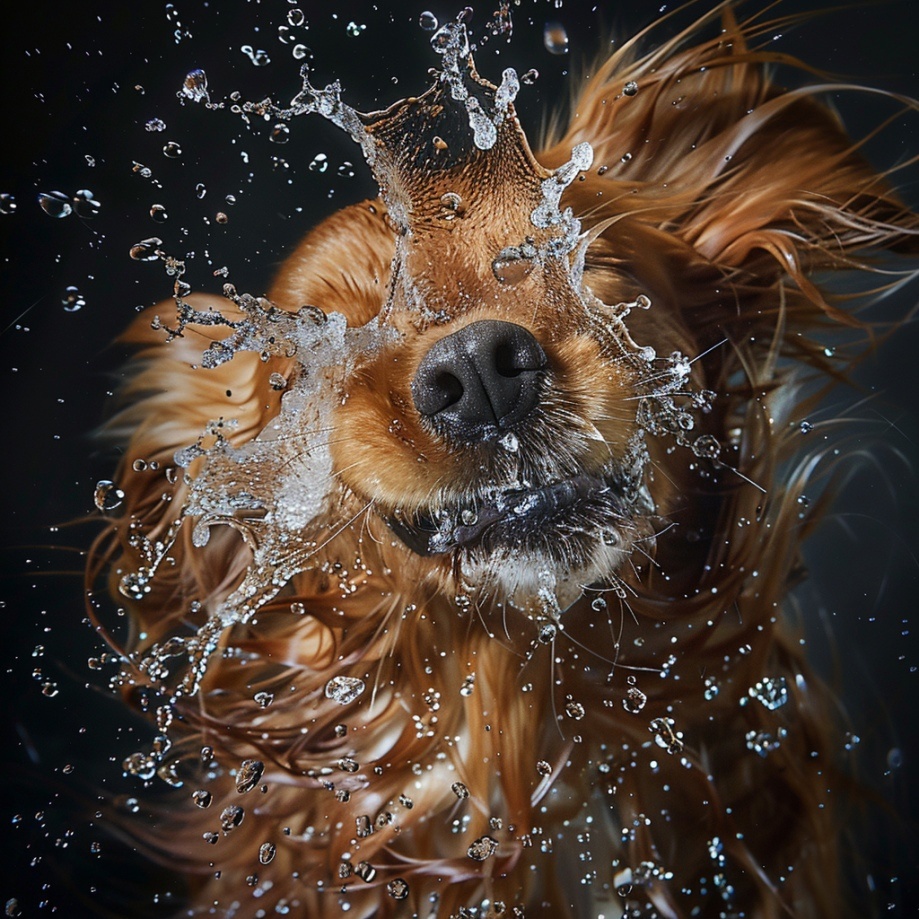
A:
x: 501, y: 429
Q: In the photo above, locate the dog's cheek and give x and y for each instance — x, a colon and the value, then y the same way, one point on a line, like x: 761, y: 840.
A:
x: 378, y: 450
x: 600, y: 392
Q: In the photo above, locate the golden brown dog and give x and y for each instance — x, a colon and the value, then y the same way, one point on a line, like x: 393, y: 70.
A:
x: 457, y: 564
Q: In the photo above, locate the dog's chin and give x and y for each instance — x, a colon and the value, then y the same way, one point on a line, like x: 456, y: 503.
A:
x: 520, y: 540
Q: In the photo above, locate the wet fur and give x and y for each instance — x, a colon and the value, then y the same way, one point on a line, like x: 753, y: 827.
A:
x: 737, y: 194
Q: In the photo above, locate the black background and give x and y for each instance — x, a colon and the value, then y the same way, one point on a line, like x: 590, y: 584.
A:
x: 81, y: 81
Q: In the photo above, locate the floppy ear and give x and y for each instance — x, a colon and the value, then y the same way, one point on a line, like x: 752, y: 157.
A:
x: 343, y: 265
x: 703, y: 157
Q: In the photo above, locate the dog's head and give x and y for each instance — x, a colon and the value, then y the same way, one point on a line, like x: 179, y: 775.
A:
x: 501, y: 429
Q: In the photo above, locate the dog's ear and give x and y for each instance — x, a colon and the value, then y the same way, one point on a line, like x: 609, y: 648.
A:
x: 344, y: 265
x: 697, y: 151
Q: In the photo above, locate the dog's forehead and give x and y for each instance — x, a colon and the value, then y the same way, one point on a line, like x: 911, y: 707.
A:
x: 447, y: 184
x: 471, y: 233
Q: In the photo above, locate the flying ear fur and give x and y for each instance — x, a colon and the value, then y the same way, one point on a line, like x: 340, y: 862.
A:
x: 729, y: 171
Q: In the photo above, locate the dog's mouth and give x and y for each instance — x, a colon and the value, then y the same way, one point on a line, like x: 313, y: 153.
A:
x: 513, y: 517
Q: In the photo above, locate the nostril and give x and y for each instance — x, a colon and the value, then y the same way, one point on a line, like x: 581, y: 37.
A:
x: 449, y: 387
x: 505, y: 360
x: 518, y: 353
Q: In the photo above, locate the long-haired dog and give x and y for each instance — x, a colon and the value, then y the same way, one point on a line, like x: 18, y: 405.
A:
x: 456, y: 565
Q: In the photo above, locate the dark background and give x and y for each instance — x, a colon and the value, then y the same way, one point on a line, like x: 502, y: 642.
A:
x: 80, y: 82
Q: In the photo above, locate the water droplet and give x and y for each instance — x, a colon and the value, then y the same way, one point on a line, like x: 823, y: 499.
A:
x: 85, y: 203
x: 344, y: 689
x: 546, y: 634
x: 452, y: 206
x: 140, y: 764
x: 460, y: 790
x: 73, y: 300
x: 772, y: 692
x: 530, y: 77
x: 221, y: 218
x: 55, y: 204
x: 428, y: 21
x: 231, y: 817
x: 763, y: 743
x: 468, y: 516
x: 543, y: 768
x: 513, y: 264
x: 598, y: 604
x: 630, y: 88
x: 482, y: 848
x: 7, y: 204
x: 509, y: 442
x: 346, y: 169
x: 634, y: 700
x: 299, y: 52
x: 555, y: 38
x: 295, y: 17
x: 258, y: 56
x: 711, y: 688
x: 250, y: 771
x: 266, y: 853
x: 172, y: 150
x: 135, y: 585
x: 365, y: 871
x: 107, y: 495
x: 574, y: 710
x: 319, y: 163
x: 706, y: 447
x: 158, y: 213
x: 397, y: 888
x: 263, y: 699
x: 806, y: 427
x: 665, y: 736
x: 280, y: 133
x: 202, y: 798
x: 155, y: 124
x: 146, y: 249
x: 354, y: 29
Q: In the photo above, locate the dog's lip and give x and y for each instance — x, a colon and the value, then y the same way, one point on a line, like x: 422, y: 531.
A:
x: 463, y: 525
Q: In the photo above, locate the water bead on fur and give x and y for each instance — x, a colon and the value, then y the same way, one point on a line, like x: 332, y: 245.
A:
x: 344, y: 689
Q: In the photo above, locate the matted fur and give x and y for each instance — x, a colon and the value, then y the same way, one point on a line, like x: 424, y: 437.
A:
x: 735, y: 196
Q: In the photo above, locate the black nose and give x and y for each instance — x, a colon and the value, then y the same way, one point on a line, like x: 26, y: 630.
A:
x: 480, y: 380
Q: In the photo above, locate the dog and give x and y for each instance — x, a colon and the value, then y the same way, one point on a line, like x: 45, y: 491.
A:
x: 456, y: 565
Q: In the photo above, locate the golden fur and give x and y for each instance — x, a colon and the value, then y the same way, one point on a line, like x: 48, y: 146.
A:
x: 736, y: 195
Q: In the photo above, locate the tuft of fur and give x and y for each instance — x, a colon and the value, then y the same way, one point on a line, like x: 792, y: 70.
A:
x: 735, y: 195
